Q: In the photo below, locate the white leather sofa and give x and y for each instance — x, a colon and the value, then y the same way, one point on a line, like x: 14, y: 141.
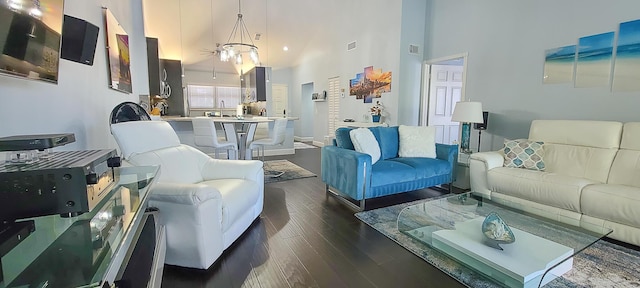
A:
x: 205, y: 203
x: 592, y: 176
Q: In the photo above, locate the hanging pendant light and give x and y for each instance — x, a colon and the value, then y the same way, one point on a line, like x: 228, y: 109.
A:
x: 235, y: 46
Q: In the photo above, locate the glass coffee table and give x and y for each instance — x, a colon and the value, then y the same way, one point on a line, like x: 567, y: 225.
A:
x: 542, y: 251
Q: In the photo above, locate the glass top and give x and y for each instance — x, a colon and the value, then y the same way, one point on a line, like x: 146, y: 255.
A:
x: 456, y: 226
x: 54, y: 251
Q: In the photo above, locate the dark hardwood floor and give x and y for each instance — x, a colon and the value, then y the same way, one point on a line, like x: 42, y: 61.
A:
x: 304, y: 239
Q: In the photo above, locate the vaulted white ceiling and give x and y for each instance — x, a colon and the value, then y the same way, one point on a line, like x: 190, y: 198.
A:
x: 190, y: 29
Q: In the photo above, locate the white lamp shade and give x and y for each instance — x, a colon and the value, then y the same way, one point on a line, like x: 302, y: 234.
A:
x: 467, y: 112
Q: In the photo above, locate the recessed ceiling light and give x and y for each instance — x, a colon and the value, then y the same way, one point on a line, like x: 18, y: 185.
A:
x: 285, y: 48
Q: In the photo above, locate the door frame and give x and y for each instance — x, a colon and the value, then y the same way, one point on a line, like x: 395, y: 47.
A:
x: 423, y: 114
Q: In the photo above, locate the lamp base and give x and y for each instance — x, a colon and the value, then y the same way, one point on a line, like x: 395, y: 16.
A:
x: 466, y: 135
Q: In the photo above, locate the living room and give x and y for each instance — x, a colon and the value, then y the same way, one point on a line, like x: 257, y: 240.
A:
x: 505, y: 42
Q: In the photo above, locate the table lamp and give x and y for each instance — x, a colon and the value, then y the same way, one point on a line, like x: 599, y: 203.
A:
x: 467, y: 112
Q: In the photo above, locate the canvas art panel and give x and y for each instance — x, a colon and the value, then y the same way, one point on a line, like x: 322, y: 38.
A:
x: 558, y: 65
x: 370, y: 84
x: 626, y: 74
x: 118, y: 55
x: 595, y: 53
x: 30, y: 39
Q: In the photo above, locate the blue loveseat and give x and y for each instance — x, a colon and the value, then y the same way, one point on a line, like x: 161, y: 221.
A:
x: 349, y: 173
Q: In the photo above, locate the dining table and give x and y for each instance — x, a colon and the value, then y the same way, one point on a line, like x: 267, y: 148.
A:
x: 240, y: 130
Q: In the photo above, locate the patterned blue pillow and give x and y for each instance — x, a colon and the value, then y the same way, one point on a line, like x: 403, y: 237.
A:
x: 524, y: 154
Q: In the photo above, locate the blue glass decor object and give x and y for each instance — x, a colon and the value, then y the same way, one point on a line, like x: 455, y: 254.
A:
x: 375, y: 118
x: 496, y: 231
x: 466, y: 134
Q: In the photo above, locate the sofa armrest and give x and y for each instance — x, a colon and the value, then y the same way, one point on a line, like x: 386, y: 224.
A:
x: 346, y: 170
x: 479, y: 166
x: 232, y: 169
x: 448, y: 153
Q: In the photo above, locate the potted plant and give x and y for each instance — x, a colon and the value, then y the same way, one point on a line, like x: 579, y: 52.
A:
x: 376, y: 111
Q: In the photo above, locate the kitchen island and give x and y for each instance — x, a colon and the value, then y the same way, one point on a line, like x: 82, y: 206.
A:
x: 184, y: 129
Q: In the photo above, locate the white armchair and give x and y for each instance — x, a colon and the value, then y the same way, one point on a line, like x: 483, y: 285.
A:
x: 205, y: 203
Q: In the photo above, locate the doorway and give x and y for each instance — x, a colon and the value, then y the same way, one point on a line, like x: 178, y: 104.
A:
x: 280, y: 99
x: 444, y: 85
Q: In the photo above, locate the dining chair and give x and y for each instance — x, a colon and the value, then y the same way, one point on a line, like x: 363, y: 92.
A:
x: 205, y: 135
x: 277, y: 137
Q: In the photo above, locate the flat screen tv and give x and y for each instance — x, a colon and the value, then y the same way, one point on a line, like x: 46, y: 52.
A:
x: 30, y: 37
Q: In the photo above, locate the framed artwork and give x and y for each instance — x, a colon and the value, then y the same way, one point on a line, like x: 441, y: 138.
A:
x: 370, y: 84
x: 118, y: 56
x: 558, y: 65
x: 595, y: 53
x: 31, y: 38
x: 626, y: 74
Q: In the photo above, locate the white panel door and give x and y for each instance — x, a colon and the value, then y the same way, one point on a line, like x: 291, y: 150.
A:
x: 280, y: 98
x: 444, y: 91
x: 333, y: 96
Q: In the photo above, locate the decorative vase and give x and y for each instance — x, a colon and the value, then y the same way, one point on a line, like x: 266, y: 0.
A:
x: 375, y: 118
x: 496, y: 231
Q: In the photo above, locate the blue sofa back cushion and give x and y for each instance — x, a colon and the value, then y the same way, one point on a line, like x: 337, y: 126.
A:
x: 343, y: 139
x: 389, y: 141
x: 388, y: 138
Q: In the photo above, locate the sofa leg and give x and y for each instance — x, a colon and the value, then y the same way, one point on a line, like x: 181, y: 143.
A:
x: 450, y: 187
x: 343, y: 200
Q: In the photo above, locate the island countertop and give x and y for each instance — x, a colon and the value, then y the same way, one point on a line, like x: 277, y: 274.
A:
x: 222, y: 119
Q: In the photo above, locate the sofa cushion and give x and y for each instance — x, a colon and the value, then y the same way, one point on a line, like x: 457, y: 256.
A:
x: 579, y: 161
x: 343, y: 139
x: 626, y: 165
x: 547, y: 188
x: 625, y: 168
x: 417, y: 141
x: 389, y: 172
x: 388, y: 139
x: 523, y: 154
x: 364, y: 142
x: 577, y: 133
x: 572, y: 148
x: 616, y: 203
x: 426, y: 167
x: 238, y: 196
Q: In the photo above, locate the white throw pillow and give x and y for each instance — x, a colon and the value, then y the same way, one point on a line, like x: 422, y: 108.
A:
x: 364, y: 142
x: 417, y: 141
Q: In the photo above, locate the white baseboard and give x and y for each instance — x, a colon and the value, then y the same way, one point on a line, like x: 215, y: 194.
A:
x: 274, y: 152
x: 303, y: 138
x: 268, y: 152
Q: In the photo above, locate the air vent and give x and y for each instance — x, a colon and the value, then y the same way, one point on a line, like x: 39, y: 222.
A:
x: 414, y: 49
x: 257, y: 37
x: 351, y: 46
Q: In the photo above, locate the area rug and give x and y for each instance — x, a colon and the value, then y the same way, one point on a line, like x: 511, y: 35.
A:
x: 291, y: 171
x: 602, y: 265
x: 302, y: 145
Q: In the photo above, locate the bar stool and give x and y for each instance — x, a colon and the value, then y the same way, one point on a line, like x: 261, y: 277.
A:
x: 276, y: 138
x: 205, y: 135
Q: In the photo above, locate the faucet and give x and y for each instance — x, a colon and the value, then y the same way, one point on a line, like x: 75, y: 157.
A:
x: 221, y: 107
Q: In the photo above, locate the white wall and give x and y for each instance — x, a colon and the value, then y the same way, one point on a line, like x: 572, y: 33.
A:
x: 407, y: 81
x: 304, y: 126
x: 81, y: 101
x: 506, y: 41
x: 375, y: 25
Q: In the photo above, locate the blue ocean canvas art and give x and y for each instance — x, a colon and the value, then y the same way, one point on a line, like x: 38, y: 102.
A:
x: 593, y: 68
x: 558, y: 65
x: 626, y: 74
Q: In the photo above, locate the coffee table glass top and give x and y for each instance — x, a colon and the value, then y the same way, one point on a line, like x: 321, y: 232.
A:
x: 543, y: 248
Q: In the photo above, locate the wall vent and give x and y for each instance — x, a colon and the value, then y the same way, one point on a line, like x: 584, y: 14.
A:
x: 414, y: 49
x: 351, y: 46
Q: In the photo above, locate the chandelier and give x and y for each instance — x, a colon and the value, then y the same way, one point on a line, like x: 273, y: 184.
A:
x: 233, y: 50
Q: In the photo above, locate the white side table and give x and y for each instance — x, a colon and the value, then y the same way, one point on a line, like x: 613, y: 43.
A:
x: 462, y: 172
